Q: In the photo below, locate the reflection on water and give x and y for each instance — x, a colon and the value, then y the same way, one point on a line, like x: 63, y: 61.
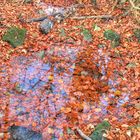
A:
x: 42, y: 89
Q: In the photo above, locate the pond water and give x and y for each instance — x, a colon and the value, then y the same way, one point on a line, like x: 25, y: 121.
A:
x: 40, y: 96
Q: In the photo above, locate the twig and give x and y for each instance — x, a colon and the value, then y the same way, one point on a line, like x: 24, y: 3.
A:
x: 115, y: 4
x: 36, y: 19
x: 133, y: 5
x: 88, y: 17
x: 85, y: 137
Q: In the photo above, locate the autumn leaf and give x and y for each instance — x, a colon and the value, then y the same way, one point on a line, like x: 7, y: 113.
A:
x: 66, y: 109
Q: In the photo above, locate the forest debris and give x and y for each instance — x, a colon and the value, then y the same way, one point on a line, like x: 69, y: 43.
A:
x: 85, y: 137
x: 133, y: 5
x: 46, y: 25
x: 89, y: 17
x: 37, y: 19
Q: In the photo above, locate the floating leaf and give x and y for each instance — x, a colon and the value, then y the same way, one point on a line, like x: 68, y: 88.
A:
x: 87, y: 35
x: 117, y: 93
x: 50, y: 78
x: 15, y: 36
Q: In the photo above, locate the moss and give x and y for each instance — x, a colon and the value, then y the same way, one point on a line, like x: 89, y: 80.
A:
x: 113, y: 37
x: 15, y: 36
x: 87, y: 35
x: 99, y: 130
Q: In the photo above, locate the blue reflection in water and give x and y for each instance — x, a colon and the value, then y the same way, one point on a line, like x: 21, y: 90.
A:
x: 33, y: 74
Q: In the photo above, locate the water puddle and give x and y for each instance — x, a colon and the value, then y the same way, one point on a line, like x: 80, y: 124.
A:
x: 41, y: 89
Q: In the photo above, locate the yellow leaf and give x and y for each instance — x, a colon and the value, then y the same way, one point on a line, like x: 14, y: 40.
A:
x: 98, y: 110
x: 50, y: 77
x: 60, y: 81
x: 117, y: 93
x: 66, y: 109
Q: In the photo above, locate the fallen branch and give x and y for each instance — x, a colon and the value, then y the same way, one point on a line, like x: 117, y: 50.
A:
x: 133, y: 5
x: 85, y: 137
x: 89, y: 17
x: 37, y: 19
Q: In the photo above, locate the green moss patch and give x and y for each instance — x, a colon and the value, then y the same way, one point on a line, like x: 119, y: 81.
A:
x: 15, y: 36
x: 100, y: 130
x: 113, y: 37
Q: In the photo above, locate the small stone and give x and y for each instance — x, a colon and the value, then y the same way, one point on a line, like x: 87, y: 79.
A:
x: 128, y: 133
x: 23, y: 133
x: 1, y: 115
x: 84, y: 73
x: 125, y: 125
x: 46, y: 25
x: 1, y: 135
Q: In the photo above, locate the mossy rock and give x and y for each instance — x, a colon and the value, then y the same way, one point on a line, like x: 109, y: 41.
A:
x: 113, y: 37
x: 137, y: 34
x: 100, y: 130
x: 15, y: 36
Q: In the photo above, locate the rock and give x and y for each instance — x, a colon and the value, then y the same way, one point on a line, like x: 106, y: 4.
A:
x: 84, y: 73
x: 46, y: 25
x: 23, y: 133
x: 1, y: 135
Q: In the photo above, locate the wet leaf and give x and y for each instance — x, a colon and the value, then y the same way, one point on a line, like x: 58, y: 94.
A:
x: 117, y: 93
x: 50, y: 78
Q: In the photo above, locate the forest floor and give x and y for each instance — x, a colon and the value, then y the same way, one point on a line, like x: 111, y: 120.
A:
x: 73, y: 77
